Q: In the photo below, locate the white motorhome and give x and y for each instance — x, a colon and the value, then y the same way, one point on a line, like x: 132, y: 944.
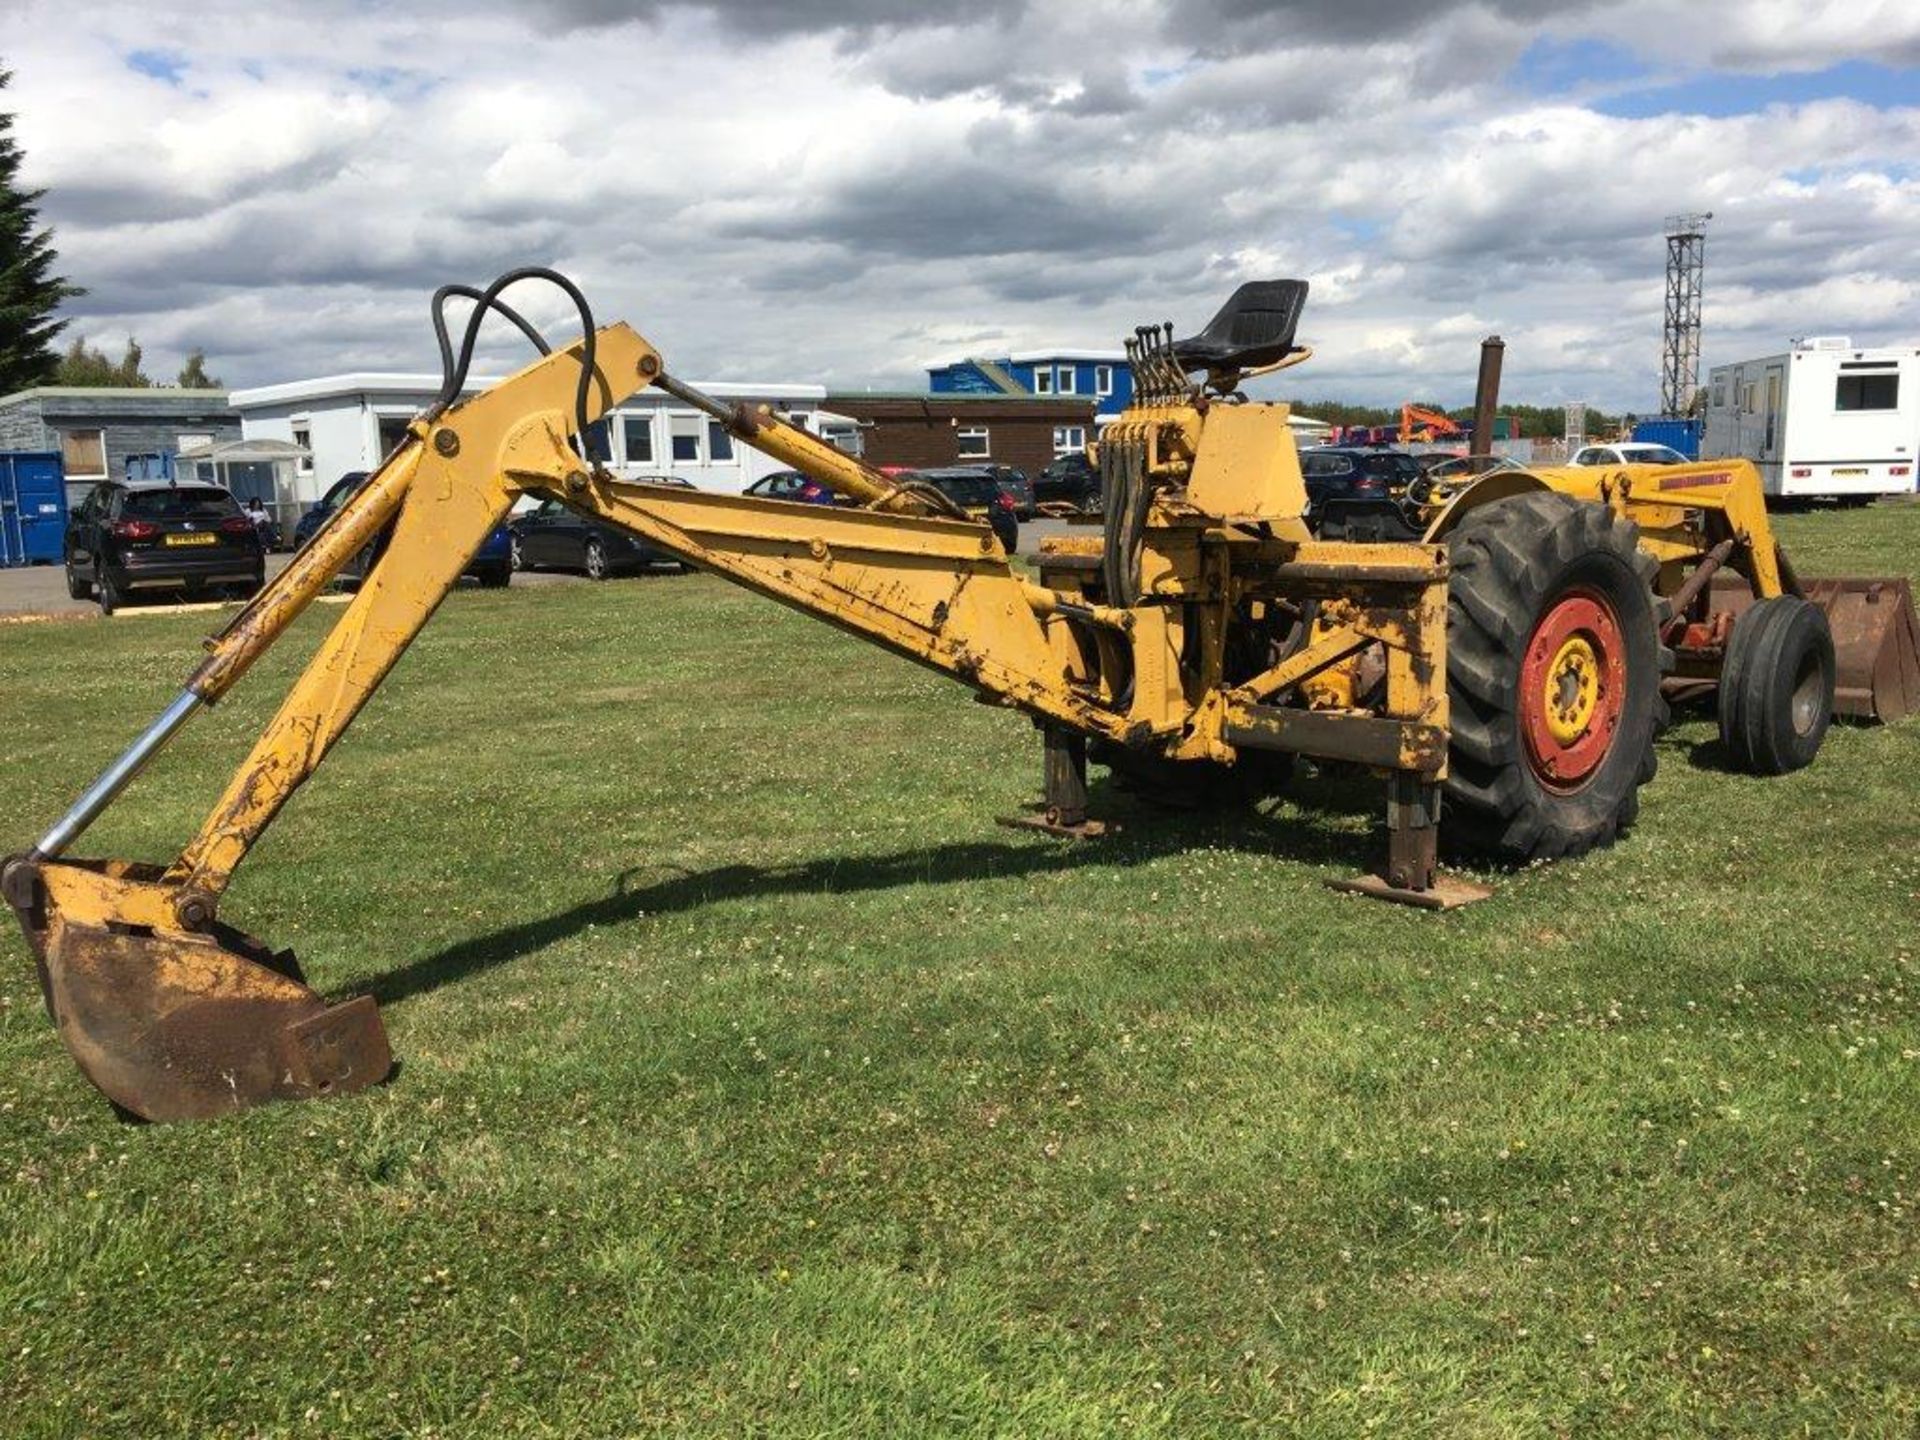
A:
x: 1823, y: 419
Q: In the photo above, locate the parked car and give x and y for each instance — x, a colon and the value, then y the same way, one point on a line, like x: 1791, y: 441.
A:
x: 792, y: 485
x: 554, y: 536
x: 152, y: 535
x: 1070, y: 480
x: 1014, y: 481
x: 1628, y: 452
x: 317, y: 514
x: 492, y: 563
x: 980, y: 495
x: 1354, y: 494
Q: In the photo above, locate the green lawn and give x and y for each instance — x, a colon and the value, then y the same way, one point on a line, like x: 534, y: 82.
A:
x: 753, y: 1081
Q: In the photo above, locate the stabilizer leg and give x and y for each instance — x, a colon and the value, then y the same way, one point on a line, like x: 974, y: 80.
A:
x: 1063, y: 811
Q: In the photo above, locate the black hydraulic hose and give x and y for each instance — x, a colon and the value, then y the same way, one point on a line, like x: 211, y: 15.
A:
x: 500, y: 307
x: 454, y: 379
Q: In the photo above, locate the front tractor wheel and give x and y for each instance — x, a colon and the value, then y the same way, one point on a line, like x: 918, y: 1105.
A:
x: 1776, y: 686
x: 1553, y: 678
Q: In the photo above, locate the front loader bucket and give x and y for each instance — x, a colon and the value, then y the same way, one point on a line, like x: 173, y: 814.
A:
x: 1876, y: 640
x: 1876, y: 645
x: 177, y: 1024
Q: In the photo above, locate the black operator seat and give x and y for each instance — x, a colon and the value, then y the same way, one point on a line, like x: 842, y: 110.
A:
x: 1253, y: 329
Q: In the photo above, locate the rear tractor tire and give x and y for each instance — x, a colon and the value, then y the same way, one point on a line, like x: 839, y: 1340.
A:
x: 1776, y: 686
x: 1553, y: 678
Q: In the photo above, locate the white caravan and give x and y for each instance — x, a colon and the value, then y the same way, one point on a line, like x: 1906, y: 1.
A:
x: 1822, y: 419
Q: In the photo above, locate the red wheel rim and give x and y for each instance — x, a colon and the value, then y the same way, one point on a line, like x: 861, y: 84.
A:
x: 1573, y: 689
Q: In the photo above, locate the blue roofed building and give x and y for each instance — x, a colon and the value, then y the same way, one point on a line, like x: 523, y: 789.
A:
x: 1102, y: 376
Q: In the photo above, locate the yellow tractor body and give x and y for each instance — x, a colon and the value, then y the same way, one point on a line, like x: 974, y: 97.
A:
x: 1505, y: 662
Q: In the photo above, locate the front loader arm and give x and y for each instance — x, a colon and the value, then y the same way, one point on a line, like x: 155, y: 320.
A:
x: 175, y: 1015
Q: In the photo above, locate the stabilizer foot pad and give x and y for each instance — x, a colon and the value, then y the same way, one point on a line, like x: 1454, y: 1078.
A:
x: 1084, y: 830
x: 1448, y: 892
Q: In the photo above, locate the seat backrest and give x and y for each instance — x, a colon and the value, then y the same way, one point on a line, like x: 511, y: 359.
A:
x: 1254, y: 328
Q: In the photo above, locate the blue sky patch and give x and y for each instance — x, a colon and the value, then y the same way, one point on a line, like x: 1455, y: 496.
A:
x: 1724, y: 94
x: 1575, y: 67
x: 166, y: 65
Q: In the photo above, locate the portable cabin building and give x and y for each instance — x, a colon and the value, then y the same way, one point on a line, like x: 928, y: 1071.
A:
x: 1823, y: 419
x: 338, y: 424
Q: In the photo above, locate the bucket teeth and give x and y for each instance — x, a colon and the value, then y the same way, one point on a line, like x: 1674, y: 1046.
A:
x: 184, y: 1025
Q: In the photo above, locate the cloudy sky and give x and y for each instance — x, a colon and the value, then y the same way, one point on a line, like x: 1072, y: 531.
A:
x: 848, y: 190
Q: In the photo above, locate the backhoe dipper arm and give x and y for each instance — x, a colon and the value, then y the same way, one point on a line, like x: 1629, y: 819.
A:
x: 173, y: 1014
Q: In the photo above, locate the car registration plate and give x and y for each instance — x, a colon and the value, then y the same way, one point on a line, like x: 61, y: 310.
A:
x: 1851, y: 470
x: 194, y: 538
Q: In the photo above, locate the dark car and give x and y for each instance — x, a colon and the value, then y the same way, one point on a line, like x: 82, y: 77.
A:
x: 1070, y: 480
x: 556, y: 537
x: 132, y: 536
x: 1354, y: 494
x: 792, y: 485
x: 1015, y: 482
x: 492, y: 563
x: 980, y: 495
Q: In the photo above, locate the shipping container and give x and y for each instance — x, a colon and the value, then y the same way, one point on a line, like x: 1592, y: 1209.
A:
x: 1681, y: 435
x: 33, y: 507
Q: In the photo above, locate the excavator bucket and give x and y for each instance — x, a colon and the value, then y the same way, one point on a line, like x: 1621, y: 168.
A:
x: 1876, y: 641
x: 183, y: 1025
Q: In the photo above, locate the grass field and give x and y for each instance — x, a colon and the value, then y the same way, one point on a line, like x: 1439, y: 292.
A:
x: 755, y: 1082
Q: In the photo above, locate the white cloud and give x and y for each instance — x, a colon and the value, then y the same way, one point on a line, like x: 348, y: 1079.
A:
x: 848, y: 191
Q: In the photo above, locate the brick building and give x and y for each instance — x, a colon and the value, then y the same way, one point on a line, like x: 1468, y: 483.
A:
x: 96, y: 428
x: 920, y: 431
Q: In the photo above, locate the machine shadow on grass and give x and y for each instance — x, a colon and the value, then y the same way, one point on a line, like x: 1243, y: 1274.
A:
x: 1307, y: 832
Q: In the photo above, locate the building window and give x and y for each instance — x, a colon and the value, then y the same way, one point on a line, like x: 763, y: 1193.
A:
x: 393, y: 433
x: 303, y: 437
x: 84, y: 454
x: 637, y: 430
x: 1868, y: 392
x: 843, y: 437
x: 686, y: 439
x: 597, y: 443
x: 974, y: 442
x: 1043, y: 380
x: 1066, y: 380
x: 719, y: 442
x: 1103, y: 379
x: 1069, y: 439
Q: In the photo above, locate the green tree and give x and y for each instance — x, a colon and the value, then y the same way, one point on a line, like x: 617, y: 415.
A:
x: 194, y: 376
x: 84, y: 365
x: 30, y: 291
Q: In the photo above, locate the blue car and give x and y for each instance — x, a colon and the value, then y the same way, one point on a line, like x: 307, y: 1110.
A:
x: 792, y: 485
x: 492, y: 563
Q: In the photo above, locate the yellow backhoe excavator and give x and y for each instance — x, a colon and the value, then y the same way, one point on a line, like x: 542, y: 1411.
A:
x: 1510, y: 659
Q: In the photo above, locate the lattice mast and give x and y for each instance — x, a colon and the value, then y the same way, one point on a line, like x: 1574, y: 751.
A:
x: 1680, y: 343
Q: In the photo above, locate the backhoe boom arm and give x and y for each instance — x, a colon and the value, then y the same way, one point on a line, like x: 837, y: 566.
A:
x: 174, y: 1015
